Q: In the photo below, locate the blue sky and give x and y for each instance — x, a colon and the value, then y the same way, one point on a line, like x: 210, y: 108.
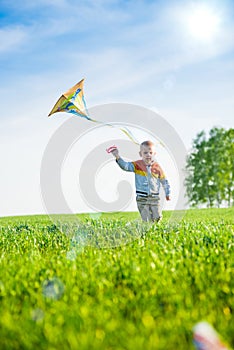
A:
x: 139, y: 52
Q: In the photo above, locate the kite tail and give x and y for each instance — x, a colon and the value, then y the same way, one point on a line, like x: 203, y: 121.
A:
x: 127, y: 132
x: 85, y: 106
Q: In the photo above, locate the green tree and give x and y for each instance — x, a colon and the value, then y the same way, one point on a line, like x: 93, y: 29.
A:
x: 210, y: 168
x: 228, y: 167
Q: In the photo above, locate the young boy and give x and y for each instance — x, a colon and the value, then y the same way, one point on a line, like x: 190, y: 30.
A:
x: 148, y: 178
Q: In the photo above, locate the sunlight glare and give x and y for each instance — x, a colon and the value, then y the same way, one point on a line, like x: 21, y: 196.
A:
x: 203, y: 23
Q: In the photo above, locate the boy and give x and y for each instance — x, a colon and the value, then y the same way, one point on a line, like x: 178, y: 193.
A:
x: 148, y: 178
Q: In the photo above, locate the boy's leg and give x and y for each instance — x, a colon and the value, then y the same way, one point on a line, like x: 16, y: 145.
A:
x: 156, y: 213
x: 144, y: 208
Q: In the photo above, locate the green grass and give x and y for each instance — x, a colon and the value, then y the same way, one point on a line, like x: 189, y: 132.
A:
x: 83, y: 282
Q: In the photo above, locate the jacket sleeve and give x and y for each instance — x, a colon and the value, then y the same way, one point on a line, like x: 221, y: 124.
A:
x: 127, y: 166
x: 166, y: 186
x: 164, y: 182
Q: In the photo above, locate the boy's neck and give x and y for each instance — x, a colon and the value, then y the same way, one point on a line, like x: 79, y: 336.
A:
x: 152, y: 161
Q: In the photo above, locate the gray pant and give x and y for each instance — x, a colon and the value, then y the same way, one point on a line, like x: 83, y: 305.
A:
x: 149, y: 208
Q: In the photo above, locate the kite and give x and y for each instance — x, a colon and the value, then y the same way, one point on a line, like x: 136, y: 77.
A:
x: 73, y: 102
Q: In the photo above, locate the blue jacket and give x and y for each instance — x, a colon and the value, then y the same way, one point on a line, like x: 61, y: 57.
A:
x: 148, y: 178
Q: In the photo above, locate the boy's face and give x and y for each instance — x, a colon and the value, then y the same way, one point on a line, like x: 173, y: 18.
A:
x: 147, y: 153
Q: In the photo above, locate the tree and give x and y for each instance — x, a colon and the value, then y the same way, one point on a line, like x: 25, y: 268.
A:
x: 210, y: 169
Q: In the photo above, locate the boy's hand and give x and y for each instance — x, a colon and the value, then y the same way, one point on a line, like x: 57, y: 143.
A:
x: 113, y: 150
x: 168, y: 198
x: 116, y: 153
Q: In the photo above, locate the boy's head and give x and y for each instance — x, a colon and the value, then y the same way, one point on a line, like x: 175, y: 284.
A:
x: 147, y: 151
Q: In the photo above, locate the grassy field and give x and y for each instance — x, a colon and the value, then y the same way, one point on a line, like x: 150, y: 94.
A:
x: 112, y: 282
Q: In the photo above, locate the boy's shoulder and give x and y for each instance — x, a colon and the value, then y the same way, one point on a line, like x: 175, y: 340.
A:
x: 156, y: 164
x: 138, y: 162
x: 157, y: 170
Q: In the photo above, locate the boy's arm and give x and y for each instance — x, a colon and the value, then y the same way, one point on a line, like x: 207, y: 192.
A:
x: 127, y: 166
x: 166, y: 188
x: 165, y: 184
x: 115, y: 153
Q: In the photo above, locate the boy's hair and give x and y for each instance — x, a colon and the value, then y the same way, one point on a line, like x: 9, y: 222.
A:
x: 147, y: 144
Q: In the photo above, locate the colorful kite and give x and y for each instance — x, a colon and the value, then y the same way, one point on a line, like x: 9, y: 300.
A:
x: 73, y: 102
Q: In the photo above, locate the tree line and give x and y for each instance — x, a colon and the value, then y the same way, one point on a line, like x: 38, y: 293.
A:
x: 210, y: 169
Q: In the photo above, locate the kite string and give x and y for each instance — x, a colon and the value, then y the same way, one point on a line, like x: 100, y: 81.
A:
x: 125, y: 130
